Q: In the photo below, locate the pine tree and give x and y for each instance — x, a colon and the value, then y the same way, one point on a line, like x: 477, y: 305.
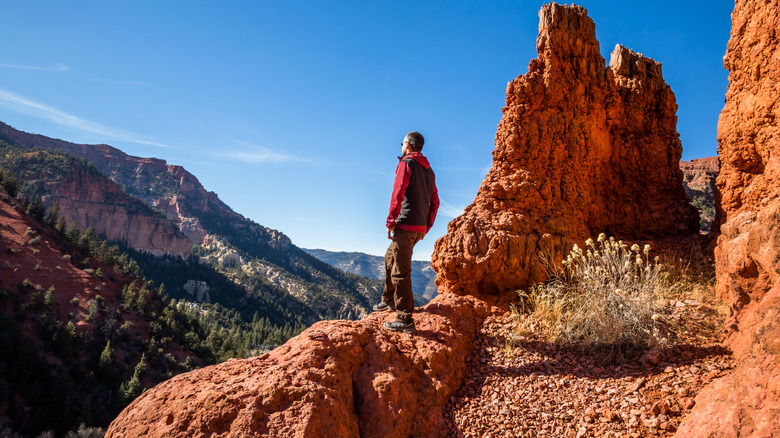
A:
x: 131, y: 389
x: 36, y: 209
x: 50, y: 299
x: 54, y: 215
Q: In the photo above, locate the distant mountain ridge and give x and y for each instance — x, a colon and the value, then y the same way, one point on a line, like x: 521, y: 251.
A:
x: 261, y: 260
x: 423, y: 275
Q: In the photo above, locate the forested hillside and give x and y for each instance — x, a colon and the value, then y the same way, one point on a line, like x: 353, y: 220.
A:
x: 82, y: 332
x: 262, y: 262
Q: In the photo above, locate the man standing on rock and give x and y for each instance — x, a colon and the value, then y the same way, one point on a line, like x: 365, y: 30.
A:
x: 413, y: 208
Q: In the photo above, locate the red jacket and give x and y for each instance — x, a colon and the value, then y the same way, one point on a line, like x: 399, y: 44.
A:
x: 415, y: 199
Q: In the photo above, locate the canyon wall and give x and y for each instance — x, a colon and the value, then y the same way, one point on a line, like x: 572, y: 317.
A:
x: 699, y: 177
x: 581, y: 149
x: 93, y: 201
x: 747, y: 256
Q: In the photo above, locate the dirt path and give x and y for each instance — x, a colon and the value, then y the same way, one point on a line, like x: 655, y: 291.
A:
x: 525, y: 387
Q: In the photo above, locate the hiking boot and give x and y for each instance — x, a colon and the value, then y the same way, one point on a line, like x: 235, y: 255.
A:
x: 384, y: 306
x: 400, y: 326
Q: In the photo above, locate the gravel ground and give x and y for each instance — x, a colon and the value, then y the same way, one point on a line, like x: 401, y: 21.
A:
x: 526, y: 387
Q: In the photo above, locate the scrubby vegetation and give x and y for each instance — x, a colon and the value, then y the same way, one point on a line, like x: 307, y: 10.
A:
x: 706, y: 209
x: 604, y: 300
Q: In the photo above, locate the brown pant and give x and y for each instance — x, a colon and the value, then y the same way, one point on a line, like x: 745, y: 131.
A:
x: 398, y: 273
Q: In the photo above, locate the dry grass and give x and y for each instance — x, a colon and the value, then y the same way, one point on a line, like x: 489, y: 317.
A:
x: 604, y: 300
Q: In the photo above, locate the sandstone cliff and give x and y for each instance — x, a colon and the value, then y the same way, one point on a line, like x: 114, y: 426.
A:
x: 747, y: 403
x: 91, y: 200
x: 581, y: 149
x: 699, y: 177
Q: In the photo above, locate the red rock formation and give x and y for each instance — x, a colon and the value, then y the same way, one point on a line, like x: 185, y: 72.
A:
x: 93, y: 201
x: 581, y: 149
x: 747, y: 403
x: 336, y: 379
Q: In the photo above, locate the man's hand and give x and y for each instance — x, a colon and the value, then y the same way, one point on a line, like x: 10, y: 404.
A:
x: 390, y: 234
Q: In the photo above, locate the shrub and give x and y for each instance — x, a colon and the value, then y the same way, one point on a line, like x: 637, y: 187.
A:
x: 87, y: 432
x: 602, y: 301
x: 9, y: 183
x: 34, y: 241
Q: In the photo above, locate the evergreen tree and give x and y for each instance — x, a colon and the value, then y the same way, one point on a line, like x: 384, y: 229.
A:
x: 54, y: 215
x: 9, y: 183
x: 131, y: 389
x: 36, y: 209
x: 50, y: 299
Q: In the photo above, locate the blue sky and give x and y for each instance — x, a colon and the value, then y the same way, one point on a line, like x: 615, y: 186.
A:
x: 293, y: 111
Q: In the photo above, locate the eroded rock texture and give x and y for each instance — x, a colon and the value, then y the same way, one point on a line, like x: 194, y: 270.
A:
x: 336, y: 379
x: 747, y: 403
x: 581, y: 149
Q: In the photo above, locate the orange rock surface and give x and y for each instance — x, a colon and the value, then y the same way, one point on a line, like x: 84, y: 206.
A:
x: 581, y: 149
x: 336, y: 379
x: 747, y: 256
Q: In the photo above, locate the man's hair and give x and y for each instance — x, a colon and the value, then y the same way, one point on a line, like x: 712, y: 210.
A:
x: 416, y: 141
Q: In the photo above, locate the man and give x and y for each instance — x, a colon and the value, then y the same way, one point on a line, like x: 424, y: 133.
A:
x: 413, y: 208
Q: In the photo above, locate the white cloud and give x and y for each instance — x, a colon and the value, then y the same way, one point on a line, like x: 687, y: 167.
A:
x: 449, y: 210
x: 256, y: 154
x: 27, y: 106
x: 57, y: 67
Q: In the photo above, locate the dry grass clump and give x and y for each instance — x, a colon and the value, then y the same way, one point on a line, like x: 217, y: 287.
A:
x: 603, y: 301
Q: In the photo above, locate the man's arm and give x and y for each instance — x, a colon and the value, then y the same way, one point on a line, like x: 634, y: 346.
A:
x: 433, y: 208
x: 402, y: 174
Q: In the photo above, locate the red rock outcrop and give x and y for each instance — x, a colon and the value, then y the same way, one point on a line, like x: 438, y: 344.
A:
x: 581, y: 149
x: 747, y: 256
x: 336, y: 379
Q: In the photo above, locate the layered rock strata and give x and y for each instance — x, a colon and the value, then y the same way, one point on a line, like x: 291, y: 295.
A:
x: 93, y: 201
x: 747, y: 256
x: 699, y: 176
x: 167, y: 187
x: 336, y: 379
x: 581, y: 149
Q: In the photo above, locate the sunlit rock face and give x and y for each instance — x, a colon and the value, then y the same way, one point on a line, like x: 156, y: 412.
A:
x: 92, y: 201
x: 336, y: 379
x: 582, y: 148
x: 747, y: 256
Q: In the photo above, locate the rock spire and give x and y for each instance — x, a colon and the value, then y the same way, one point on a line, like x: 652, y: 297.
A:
x: 581, y: 149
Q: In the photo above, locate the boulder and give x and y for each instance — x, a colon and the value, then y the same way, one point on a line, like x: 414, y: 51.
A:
x: 336, y: 379
x: 747, y: 255
x: 581, y: 149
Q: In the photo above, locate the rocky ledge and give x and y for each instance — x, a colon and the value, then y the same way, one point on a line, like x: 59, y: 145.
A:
x: 336, y: 379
